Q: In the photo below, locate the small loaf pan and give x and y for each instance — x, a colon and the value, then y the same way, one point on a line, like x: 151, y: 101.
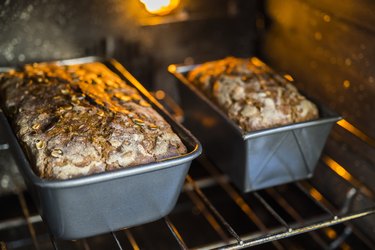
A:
x: 257, y: 159
x: 104, y: 202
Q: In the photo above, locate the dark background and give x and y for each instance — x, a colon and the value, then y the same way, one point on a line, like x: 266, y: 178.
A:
x: 50, y: 30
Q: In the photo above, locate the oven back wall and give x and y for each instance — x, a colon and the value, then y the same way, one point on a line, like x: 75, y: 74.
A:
x: 39, y: 30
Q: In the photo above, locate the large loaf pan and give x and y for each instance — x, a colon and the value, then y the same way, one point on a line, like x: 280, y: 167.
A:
x: 258, y: 159
x: 104, y: 202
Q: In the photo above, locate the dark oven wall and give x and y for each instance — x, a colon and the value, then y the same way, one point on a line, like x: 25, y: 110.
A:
x: 197, y: 30
x: 328, y: 47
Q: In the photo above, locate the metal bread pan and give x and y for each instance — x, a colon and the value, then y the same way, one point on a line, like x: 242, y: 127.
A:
x: 258, y: 159
x: 103, y: 202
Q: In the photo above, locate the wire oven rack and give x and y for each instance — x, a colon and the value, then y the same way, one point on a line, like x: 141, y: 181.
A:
x: 212, y: 214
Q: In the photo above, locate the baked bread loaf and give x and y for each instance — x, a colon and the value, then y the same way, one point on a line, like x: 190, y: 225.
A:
x: 82, y: 119
x: 251, y: 94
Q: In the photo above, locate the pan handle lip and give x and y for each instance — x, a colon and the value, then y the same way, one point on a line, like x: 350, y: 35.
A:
x: 293, y: 126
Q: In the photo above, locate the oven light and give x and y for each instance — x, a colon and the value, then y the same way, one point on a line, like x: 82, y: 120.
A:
x: 160, y: 7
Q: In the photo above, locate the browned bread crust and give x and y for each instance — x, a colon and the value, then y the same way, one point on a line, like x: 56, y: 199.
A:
x: 251, y: 94
x: 83, y: 119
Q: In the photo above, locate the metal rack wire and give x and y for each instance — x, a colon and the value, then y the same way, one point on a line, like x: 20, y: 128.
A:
x: 287, y: 220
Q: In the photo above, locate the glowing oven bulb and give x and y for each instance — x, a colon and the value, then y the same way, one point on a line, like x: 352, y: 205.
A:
x: 160, y: 7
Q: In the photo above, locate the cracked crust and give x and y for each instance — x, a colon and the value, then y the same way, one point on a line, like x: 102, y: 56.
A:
x: 251, y: 94
x: 82, y: 119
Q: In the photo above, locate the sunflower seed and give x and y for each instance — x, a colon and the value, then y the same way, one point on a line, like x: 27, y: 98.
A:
x: 56, y: 152
x: 36, y: 126
x: 139, y: 122
x: 152, y: 126
x: 144, y: 103
x: 39, y: 144
x: 100, y: 112
x: 136, y: 97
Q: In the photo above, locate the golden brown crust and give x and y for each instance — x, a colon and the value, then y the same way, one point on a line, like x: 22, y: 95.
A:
x: 82, y: 119
x: 251, y: 94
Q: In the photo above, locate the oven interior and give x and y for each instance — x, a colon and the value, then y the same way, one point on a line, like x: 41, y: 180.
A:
x: 325, y: 47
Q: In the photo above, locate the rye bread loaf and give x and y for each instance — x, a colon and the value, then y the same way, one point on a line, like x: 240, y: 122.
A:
x: 83, y: 119
x: 251, y: 94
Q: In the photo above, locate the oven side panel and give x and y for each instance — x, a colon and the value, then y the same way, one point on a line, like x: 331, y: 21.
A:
x: 328, y: 47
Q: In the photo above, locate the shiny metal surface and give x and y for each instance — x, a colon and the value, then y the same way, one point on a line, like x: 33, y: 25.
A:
x: 258, y: 159
x: 108, y: 201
